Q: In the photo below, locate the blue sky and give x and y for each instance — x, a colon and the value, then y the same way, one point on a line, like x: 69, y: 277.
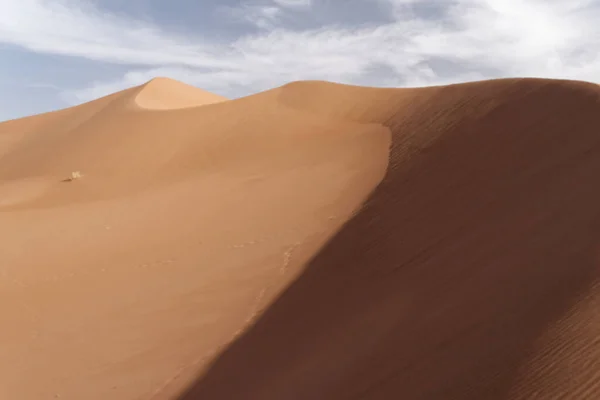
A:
x: 58, y: 53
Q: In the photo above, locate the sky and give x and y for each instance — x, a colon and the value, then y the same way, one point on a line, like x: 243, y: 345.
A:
x: 59, y: 53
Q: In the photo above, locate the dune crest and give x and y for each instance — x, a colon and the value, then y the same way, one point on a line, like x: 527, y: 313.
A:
x: 169, y: 94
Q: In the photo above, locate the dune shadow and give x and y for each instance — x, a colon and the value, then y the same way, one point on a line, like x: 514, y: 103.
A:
x: 438, y: 288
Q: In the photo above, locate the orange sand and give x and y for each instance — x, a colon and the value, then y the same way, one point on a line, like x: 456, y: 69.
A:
x: 315, y: 241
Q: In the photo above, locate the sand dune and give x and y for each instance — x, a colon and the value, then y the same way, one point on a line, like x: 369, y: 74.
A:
x: 314, y: 241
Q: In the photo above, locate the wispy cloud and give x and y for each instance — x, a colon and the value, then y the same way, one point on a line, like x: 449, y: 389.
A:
x: 264, y: 14
x: 294, y: 3
x: 44, y: 86
x: 426, y: 42
x: 78, y: 28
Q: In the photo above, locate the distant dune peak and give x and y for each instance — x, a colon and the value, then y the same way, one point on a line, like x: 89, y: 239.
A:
x: 167, y: 94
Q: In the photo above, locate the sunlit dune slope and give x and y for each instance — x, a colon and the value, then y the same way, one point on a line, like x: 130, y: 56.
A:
x: 181, y: 226
x: 314, y: 241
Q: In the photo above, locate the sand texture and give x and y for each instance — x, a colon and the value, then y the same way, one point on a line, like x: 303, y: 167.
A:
x: 315, y: 241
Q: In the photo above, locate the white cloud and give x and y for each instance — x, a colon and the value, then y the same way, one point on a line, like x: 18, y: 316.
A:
x: 294, y: 3
x: 462, y: 40
x: 77, y: 28
x: 264, y: 14
x: 45, y: 86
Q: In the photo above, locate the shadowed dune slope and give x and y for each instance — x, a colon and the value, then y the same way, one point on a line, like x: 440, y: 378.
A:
x: 314, y: 241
